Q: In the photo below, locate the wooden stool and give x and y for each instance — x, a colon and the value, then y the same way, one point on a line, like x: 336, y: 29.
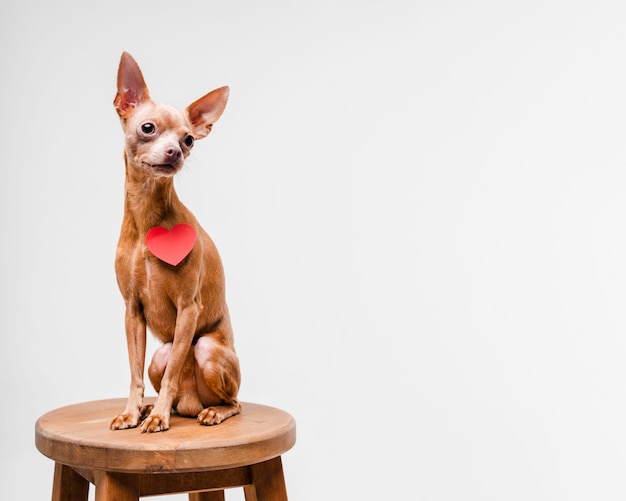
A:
x: 243, y: 451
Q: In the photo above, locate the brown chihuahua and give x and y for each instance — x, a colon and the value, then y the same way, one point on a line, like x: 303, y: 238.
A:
x: 180, y: 299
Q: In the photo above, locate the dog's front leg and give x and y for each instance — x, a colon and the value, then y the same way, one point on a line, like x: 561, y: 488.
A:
x: 136, y: 340
x: 159, y: 417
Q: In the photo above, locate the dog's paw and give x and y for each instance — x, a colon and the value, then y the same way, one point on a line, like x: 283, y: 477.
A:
x: 155, y: 423
x: 215, y: 415
x: 124, y: 421
x: 211, y: 416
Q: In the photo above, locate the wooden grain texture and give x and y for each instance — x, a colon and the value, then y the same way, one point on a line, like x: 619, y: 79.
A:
x: 79, y: 436
x: 207, y: 496
x: 124, y: 465
x: 68, y: 485
x: 152, y: 484
x: 268, y: 482
x: 117, y: 487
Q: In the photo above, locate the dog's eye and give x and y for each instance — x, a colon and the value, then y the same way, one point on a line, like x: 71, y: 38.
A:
x: 148, y: 128
x: 188, y: 141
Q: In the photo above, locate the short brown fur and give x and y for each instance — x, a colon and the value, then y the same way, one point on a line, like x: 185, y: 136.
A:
x: 196, y: 371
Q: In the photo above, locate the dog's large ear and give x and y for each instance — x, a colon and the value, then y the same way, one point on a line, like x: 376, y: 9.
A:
x: 204, y: 112
x: 131, y: 87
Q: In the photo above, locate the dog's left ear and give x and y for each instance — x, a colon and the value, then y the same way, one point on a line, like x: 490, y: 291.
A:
x: 204, y: 112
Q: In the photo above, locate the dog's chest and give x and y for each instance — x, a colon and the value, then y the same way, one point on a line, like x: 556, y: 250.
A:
x: 156, y: 288
x: 158, y: 299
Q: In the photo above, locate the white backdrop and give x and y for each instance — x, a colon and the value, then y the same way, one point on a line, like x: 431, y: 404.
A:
x: 420, y: 207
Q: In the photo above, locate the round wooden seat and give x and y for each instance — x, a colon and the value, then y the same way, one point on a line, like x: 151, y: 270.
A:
x: 242, y: 451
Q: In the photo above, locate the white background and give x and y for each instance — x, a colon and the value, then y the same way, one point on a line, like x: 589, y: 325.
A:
x: 421, y: 210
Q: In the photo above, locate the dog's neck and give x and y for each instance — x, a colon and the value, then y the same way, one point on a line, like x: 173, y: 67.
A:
x: 150, y: 201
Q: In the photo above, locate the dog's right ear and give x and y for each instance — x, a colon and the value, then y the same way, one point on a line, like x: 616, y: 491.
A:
x: 131, y: 87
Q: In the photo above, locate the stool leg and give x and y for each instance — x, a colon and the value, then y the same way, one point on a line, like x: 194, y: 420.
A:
x: 116, y: 487
x: 249, y: 492
x: 268, y: 482
x: 207, y: 496
x: 68, y: 485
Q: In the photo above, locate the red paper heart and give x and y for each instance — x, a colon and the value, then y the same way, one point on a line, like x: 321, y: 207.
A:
x: 171, y: 246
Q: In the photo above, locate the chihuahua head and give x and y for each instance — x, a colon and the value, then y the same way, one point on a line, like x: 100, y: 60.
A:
x: 158, y: 137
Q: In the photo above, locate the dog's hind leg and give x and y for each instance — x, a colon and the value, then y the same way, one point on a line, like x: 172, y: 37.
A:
x: 186, y: 402
x: 158, y: 364
x: 217, y: 378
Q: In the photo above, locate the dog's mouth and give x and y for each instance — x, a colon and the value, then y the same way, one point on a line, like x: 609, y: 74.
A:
x: 167, y: 169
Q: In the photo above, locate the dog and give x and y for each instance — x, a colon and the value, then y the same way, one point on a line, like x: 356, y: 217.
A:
x: 180, y: 299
